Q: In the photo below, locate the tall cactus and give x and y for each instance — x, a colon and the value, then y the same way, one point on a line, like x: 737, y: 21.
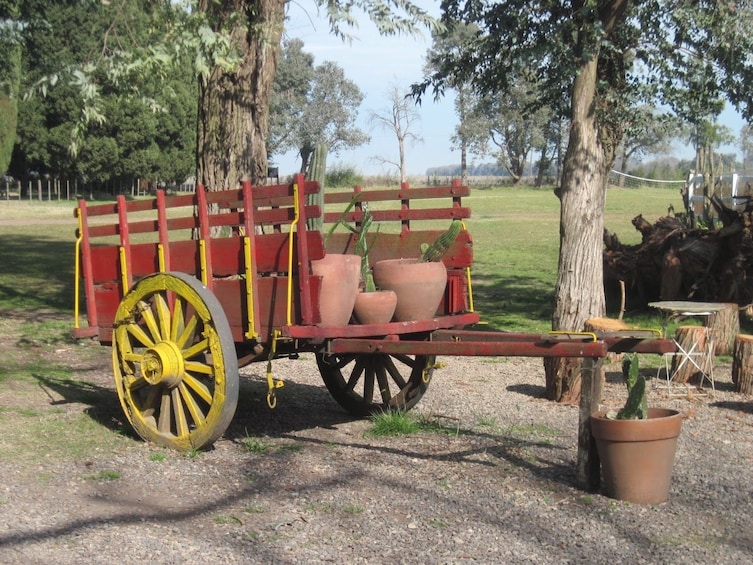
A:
x: 636, y: 406
x: 317, y: 172
x: 441, y: 245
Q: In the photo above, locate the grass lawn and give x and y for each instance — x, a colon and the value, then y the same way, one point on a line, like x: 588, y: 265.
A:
x: 516, y: 247
x: 515, y: 232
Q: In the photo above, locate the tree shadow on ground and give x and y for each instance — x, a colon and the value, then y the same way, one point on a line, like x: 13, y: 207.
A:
x: 512, y: 296
x: 37, y: 272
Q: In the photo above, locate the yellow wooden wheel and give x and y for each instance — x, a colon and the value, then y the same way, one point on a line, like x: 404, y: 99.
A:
x: 174, y: 360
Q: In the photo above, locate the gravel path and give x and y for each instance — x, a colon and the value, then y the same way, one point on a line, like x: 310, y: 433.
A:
x: 496, y: 487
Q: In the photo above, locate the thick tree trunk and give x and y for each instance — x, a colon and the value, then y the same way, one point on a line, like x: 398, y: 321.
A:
x: 580, y: 288
x: 234, y: 104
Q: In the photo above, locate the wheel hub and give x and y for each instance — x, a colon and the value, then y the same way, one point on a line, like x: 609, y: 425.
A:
x: 163, y: 364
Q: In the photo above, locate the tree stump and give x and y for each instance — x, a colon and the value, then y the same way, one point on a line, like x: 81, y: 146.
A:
x: 601, y: 326
x: 692, y: 339
x: 724, y: 327
x: 742, y: 364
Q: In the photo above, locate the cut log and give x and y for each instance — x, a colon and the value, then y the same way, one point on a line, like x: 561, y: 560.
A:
x: 693, y: 339
x: 742, y: 364
x: 605, y: 325
x: 724, y: 327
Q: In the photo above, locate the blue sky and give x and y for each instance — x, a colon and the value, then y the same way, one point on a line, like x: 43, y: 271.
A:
x: 375, y: 63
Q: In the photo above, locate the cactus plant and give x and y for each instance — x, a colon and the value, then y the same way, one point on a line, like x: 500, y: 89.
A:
x: 317, y: 172
x: 636, y: 406
x: 440, y: 246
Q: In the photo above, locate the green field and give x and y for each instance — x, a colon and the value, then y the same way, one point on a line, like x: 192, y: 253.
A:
x: 515, y: 233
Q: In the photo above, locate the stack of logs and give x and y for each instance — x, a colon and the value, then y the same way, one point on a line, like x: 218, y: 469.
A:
x: 675, y: 262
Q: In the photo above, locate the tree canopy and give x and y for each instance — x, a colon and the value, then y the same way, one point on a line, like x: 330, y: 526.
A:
x: 312, y: 105
x: 141, y: 125
x: 596, y: 55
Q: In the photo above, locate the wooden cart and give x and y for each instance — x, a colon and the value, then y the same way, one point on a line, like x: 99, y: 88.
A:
x: 186, y: 288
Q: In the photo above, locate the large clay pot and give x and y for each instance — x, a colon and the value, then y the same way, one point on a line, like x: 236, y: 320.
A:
x: 419, y: 286
x: 637, y: 455
x: 340, y: 275
x: 375, y: 307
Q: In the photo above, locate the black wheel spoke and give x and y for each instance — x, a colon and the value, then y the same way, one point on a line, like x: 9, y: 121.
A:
x: 352, y: 380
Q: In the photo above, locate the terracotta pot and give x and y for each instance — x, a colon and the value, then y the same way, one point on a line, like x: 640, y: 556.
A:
x: 419, y: 286
x: 340, y: 275
x: 375, y: 307
x: 637, y: 455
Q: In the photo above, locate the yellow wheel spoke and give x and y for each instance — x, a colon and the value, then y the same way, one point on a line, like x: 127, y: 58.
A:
x: 188, y: 332
x: 151, y: 323
x: 197, y: 367
x: 198, y: 387
x: 178, y: 322
x: 163, y: 315
x: 197, y: 414
x: 196, y: 349
x: 133, y: 357
x: 174, y: 361
x: 140, y: 335
x: 181, y: 425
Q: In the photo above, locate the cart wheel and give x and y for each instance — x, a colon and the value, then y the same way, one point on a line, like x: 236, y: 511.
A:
x: 174, y: 360
x: 365, y: 384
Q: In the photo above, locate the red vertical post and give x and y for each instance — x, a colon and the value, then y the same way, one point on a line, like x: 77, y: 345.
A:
x: 405, y: 205
x: 302, y: 249
x: 164, y: 239
x: 86, y: 261
x: 205, y: 238
x: 126, y: 273
x: 251, y: 272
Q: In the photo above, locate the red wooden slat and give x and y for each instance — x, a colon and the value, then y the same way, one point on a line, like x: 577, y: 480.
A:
x: 87, y: 266
x: 125, y: 243
x: 205, y: 235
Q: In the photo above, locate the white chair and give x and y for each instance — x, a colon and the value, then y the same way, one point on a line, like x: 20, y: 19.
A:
x: 699, y: 355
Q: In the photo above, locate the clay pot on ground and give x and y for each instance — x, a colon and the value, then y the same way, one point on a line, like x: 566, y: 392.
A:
x: 637, y: 455
x: 340, y: 276
x: 375, y: 307
x: 419, y: 286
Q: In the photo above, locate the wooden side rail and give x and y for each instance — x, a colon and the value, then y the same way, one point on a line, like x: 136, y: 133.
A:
x: 121, y: 242
x: 453, y: 209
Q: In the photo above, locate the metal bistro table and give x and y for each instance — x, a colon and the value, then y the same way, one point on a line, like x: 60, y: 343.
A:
x: 680, y: 309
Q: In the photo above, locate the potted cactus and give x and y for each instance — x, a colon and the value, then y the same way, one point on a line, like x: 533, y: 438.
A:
x: 372, y: 306
x: 636, y: 444
x: 419, y: 282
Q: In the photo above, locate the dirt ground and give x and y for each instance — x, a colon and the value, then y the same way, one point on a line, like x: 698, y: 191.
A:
x: 492, y: 482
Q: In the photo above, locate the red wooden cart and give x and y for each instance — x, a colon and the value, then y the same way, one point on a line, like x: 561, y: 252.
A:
x: 186, y: 288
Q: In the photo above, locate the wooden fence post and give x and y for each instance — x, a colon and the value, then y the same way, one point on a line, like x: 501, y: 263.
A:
x: 588, y: 470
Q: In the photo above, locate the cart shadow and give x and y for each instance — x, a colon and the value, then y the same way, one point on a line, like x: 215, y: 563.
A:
x: 300, y: 406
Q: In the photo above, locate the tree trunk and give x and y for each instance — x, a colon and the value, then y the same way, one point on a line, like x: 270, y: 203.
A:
x: 580, y: 288
x: 234, y: 104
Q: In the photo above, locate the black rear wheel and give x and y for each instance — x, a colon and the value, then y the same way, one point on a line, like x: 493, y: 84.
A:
x: 364, y: 384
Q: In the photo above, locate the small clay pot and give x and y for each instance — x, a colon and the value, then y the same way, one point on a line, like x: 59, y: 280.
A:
x: 375, y: 307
